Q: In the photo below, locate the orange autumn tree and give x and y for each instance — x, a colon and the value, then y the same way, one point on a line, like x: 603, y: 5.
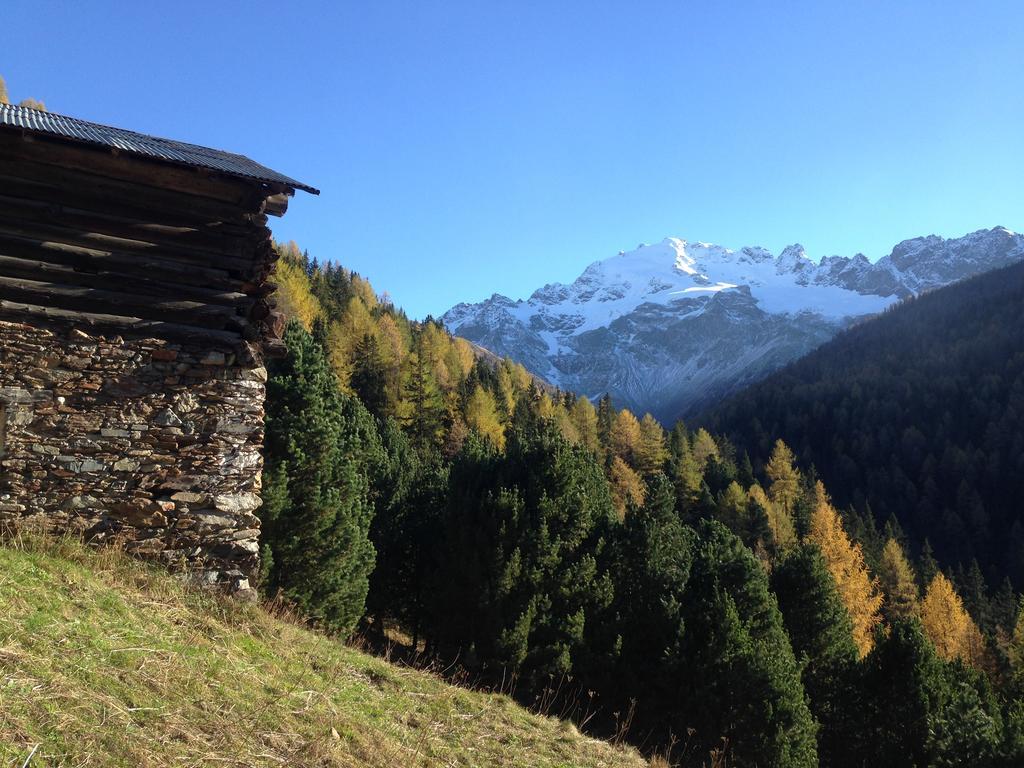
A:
x: 845, y: 558
x: 948, y: 625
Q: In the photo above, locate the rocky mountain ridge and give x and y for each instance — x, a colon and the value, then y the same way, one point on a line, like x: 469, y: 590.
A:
x: 671, y: 327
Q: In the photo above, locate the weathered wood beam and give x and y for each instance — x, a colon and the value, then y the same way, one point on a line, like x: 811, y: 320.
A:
x: 70, y: 236
x: 276, y: 205
x: 144, y: 265
x: 211, y: 243
x: 33, y: 269
x: 126, y: 208
x: 116, y: 303
x: 22, y: 312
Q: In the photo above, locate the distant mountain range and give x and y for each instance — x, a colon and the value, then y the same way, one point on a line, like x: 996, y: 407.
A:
x: 917, y: 415
x: 673, y: 327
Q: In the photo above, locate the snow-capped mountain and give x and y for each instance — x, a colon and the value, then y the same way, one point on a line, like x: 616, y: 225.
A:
x: 670, y: 327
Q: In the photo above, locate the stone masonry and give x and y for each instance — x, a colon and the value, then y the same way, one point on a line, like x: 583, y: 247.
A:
x: 155, y: 442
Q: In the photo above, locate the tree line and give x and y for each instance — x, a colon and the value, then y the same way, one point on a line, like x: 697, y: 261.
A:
x: 915, y: 420
x: 648, y: 583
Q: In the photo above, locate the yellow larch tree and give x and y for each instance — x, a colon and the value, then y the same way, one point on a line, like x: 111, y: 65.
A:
x: 948, y: 625
x: 294, y: 297
x: 780, y: 522
x: 482, y: 417
x: 625, y: 436
x: 651, y: 451
x: 845, y: 558
x: 584, y: 416
x: 896, y: 576
x: 704, y: 448
x: 783, y: 477
x: 627, y: 487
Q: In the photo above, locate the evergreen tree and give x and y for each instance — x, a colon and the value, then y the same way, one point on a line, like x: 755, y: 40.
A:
x: 320, y: 450
x: 369, y: 376
x: 821, y: 633
x: 426, y: 422
x: 409, y: 491
x: 519, y: 573
x: 605, y: 420
x: 740, y: 681
x: 651, y: 563
x: 928, y: 567
x: 904, y: 687
x: 686, y: 474
x: 899, y: 585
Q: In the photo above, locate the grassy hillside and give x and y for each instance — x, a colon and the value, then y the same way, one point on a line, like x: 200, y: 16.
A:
x: 107, y: 662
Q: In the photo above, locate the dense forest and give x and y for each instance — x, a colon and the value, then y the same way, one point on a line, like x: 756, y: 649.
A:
x: 915, y: 420
x: 656, y: 586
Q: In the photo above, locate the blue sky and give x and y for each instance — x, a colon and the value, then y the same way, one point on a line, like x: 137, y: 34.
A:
x: 465, y: 148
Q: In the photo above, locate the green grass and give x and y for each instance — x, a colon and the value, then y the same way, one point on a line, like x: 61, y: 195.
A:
x: 107, y: 662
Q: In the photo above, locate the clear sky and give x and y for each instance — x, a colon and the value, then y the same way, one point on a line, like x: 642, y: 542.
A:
x: 465, y: 148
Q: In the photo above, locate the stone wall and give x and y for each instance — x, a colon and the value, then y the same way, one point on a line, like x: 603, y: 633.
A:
x: 153, y: 442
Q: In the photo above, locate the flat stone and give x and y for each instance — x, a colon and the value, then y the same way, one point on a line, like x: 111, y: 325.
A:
x: 237, y: 503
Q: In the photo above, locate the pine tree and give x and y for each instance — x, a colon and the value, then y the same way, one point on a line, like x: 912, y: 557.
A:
x: 1015, y: 651
x: 409, y: 495
x: 4, y: 98
x: 859, y: 592
x: 519, y: 572
x: 686, y: 475
x: 899, y: 585
x: 369, y: 376
x: 426, y: 422
x: 605, y: 420
x: 321, y: 446
x: 651, y: 558
x: 739, y: 680
x: 821, y: 633
x: 948, y: 625
x: 927, y: 567
x: 904, y: 688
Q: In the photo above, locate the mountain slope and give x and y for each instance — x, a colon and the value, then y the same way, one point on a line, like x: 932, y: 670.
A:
x: 104, y: 661
x: 918, y: 414
x: 672, y: 327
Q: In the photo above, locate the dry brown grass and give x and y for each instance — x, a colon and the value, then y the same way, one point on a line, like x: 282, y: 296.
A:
x: 107, y: 662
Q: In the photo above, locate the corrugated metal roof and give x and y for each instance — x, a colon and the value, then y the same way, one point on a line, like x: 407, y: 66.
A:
x: 178, y: 152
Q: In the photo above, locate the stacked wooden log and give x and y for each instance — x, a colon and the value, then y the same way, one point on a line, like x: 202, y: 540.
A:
x: 90, y: 237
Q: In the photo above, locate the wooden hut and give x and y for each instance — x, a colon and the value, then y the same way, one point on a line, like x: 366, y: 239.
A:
x: 136, y: 309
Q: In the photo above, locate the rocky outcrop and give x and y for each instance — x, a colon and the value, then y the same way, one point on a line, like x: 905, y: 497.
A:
x: 152, y: 442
